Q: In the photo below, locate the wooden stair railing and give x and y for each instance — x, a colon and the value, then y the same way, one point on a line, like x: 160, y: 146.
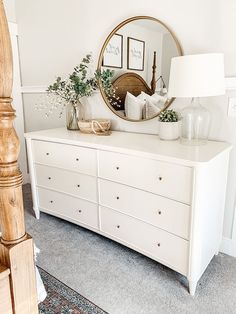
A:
x: 16, y: 247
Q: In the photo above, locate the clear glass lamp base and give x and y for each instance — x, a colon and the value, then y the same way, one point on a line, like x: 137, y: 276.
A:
x: 195, y: 124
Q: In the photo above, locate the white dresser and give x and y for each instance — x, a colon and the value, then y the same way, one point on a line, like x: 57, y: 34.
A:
x: 162, y: 199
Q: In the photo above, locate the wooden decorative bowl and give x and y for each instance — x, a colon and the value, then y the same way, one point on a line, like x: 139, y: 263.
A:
x: 95, y: 126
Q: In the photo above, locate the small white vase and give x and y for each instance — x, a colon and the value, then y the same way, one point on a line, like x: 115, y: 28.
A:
x: 169, y: 130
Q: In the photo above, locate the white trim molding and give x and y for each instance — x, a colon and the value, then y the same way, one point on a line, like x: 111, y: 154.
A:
x: 228, y: 246
x: 234, y: 226
x: 13, y: 28
x: 33, y: 89
x: 40, y: 89
x: 230, y: 83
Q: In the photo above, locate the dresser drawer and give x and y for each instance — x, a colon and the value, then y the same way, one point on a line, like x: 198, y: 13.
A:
x: 79, y: 185
x: 69, y: 207
x: 161, y: 245
x: 70, y: 157
x: 157, y: 210
x: 162, y: 178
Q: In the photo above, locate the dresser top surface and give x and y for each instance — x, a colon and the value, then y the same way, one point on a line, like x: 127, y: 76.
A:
x: 143, y: 145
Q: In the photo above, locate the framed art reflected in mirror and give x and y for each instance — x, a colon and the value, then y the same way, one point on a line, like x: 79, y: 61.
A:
x: 135, y: 54
x: 135, y: 89
x: 113, y: 54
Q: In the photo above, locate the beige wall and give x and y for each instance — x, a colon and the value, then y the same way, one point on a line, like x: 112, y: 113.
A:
x: 55, y: 34
x: 227, y: 11
x: 169, y: 47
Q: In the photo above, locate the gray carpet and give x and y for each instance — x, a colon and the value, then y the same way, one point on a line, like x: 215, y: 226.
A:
x: 122, y: 281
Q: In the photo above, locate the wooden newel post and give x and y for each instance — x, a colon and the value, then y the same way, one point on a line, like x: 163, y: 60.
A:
x: 12, y: 212
x: 16, y: 247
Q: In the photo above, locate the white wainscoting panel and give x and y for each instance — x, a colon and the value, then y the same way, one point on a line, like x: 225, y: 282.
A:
x: 228, y: 246
x: 230, y: 83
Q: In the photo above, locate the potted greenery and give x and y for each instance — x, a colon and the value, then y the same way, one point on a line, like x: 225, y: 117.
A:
x: 169, y: 125
x: 67, y: 93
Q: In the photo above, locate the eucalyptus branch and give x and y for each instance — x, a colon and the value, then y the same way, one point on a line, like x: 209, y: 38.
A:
x: 80, y: 83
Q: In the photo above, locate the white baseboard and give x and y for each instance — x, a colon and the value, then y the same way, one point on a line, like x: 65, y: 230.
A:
x: 228, y: 246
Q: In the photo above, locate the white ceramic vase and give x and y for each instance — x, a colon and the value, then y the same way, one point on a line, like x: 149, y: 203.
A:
x: 169, y: 130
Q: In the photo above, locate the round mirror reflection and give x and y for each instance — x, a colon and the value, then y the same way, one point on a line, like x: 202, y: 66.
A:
x: 134, y: 67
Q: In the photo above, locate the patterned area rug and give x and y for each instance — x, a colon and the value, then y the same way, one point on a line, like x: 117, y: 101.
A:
x: 63, y: 300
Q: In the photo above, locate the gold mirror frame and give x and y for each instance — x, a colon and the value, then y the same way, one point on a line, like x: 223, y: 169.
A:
x: 179, y: 48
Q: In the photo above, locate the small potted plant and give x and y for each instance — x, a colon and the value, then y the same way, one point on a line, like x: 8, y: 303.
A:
x: 169, y: 125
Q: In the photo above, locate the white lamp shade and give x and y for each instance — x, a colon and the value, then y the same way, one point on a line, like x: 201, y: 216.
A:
x: 197, y: 76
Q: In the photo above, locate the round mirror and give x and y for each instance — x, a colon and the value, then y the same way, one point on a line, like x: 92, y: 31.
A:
x: 134, y: 67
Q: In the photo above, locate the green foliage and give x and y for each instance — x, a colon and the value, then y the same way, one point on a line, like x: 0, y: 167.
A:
x: 105, y: 77
x: 81, y: 83
x: 169, y: 116
x: 77, y: 85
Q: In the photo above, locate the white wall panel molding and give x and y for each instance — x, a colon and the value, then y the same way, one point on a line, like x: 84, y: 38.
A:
x: 230, y: 83
x: 228, y: 246
x: 13, y: 28
x: 234, y: 227
x: 33, y: 89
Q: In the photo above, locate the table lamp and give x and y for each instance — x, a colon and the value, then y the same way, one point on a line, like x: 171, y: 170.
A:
x: 194, y: 76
